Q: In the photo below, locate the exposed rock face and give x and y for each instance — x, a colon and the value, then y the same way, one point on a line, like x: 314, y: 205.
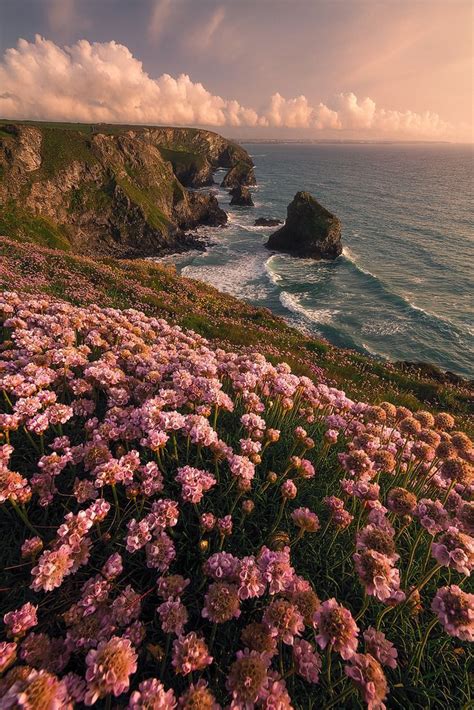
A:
x: 310, y: 230
x: 240, y: 174
x: 241, y: 196
x: 266, y: 222
x: 115, y: 192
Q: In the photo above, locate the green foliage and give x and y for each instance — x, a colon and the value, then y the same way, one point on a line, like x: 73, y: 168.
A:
x: 60, y: 148
x: 25, y: 226
x: 147, y: 201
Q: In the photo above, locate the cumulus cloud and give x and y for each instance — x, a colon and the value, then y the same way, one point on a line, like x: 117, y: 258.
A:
x: 104, y: 82
x: 348, y: 113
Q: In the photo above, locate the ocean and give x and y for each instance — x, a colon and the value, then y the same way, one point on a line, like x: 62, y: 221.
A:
x: 402, y: 289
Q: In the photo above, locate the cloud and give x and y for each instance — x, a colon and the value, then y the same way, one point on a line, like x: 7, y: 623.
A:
x: 159, y: 14
x: 104, y: 82
x: 202, y: 35
x: 348, y: 113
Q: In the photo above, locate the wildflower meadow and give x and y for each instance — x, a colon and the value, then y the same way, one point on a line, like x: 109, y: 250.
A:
x: 185, y: 527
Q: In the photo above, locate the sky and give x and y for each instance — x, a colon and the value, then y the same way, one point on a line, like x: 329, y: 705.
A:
x: 346, y: 69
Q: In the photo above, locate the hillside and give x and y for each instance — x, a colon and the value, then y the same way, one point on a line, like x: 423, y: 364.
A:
x: 157, y: 289
x: 115, y: 190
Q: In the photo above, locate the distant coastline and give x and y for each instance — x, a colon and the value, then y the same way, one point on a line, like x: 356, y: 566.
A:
x: 342, y: 141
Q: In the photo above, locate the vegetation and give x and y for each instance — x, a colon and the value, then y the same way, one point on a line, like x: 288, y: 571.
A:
x: 157, y: 289
x: 183, y: 522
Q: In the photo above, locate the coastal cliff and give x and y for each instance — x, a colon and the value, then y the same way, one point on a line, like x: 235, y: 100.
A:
x: 110, y: 190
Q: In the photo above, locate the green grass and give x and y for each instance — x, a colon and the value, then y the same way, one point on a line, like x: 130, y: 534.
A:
x: 24, y: 226
x: 157, y: 289
x: 147, y: 201
x: 60, y: 148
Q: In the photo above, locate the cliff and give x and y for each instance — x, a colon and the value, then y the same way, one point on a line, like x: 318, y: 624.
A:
x: 114, y: 190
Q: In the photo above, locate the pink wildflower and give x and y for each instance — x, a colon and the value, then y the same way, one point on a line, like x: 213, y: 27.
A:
x: 380, y: 647
x: 109, y: 668
x: 337, y: 628
x: 367, y: 674
x: 455, y: 610
x: 151, y: 694
x: 307, y: 661
x: 18, y: 622
x: 190, y: 653
x: 173, y: 616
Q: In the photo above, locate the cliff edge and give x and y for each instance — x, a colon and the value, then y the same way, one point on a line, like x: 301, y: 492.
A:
x: 111, y: 190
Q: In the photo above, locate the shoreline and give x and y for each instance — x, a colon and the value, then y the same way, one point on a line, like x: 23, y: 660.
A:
x: 410, y: 364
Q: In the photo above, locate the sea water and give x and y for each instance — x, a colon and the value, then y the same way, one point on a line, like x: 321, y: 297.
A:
x: 402, y: 289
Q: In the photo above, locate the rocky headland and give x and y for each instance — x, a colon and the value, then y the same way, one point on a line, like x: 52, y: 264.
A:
x: 310, y: 230
x: 112, y: 190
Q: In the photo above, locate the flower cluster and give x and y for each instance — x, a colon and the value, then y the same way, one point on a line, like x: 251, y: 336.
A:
x: 180, y: 509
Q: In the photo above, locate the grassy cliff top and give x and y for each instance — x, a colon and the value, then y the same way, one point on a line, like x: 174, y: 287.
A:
x: 157, y: 289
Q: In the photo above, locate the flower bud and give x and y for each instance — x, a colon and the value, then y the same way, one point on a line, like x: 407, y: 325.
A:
x: 248, y: 506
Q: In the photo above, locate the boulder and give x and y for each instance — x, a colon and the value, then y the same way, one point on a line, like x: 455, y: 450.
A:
x: 310, y: 230
x: 266, y: 222
x: 241, y: 196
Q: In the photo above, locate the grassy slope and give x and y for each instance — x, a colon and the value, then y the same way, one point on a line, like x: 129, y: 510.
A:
x: 157, y: 289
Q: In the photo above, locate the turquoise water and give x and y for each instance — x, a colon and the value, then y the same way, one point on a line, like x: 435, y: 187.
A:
x: 402, y: 288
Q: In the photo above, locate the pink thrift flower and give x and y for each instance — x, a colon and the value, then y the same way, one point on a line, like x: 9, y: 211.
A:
x: 224, y: 525
x: 172, y: 586
x: 377, y: 573
x: 307, y: 661
x: 283, y: 620
x: 190, y: 653
x: 222, y: 567
x: 251, y: 581
x: 221, y: 602
x: 173, y: 616
x: 337, y: 628
x: 367, y: 674
x: 455, y: 611
x: 109, y: 668
x: 194, y: 483
x: 151, y: 693
x: 454, y: 549
x: 160, y: 552
x: 306, y: 520
x: 18, y: 622
x: 380, y: 647
x: 247, y: 678
x: 31, y: 547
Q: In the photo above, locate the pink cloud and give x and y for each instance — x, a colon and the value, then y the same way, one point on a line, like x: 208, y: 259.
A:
x: 104, y: 82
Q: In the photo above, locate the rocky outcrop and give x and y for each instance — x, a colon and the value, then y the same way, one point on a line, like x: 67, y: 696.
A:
x: 310, y: 230
x: 266, y: 222
x: 240, y: 174
x: 241, y: 196
x: 107, y: 190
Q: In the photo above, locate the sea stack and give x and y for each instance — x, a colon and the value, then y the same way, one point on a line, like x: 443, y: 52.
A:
x: 310, y: 230
x: 241, y: 196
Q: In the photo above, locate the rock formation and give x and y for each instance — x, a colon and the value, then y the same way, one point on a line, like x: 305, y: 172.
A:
x: 241, y: 196
x: 110, y: 190
x: 310, y: 230
x: 266, y: 222
x: 242, y: 173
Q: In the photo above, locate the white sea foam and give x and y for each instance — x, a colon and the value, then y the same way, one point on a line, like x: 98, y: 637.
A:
x: 293, y: 302
x: 240, y: 276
